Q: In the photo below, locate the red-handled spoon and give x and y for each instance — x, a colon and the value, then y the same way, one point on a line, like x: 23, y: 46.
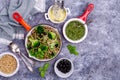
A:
x: 19, y: 19
x: 87, y: 12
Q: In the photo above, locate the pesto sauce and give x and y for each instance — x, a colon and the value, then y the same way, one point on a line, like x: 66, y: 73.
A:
x: 75, y: 30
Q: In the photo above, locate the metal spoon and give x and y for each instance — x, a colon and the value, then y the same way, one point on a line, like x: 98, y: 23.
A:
x: 15, y: 49
x: 62, y: 4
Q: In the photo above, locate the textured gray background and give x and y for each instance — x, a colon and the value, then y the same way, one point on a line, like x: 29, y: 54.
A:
x: 99, y: 57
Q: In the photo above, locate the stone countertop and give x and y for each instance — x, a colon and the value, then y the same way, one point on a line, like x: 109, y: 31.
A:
x: 99, y: 53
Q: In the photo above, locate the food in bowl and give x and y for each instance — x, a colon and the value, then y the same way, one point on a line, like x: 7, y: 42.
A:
x: 8, y: 64
x: 57, y: 15
x: 64, y: 67
x: 75, y: 30
x: 43, y: 43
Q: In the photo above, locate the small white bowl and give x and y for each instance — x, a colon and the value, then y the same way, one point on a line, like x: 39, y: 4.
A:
x: 17, y: 68
x: 59, y: 73
x: 47, y: 15
x: 81, y: 39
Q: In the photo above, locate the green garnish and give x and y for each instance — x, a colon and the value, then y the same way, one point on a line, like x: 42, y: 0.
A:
x: 43, y: 69
x: 72, y: 49
x: 51, y: 35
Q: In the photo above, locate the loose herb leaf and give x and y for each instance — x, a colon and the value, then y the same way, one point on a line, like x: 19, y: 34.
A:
x: 43, y: 69
x: 72, y: 49
x: 46, y: 66
x: 42, y: 74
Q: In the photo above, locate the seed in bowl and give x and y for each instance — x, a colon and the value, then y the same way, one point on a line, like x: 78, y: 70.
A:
x: 8, y: 64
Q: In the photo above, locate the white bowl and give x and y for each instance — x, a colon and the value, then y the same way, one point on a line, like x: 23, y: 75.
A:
x: 75, y: 41
x: 26, y: 39
x: 17, y: 68
x: 59, y: 73
x: 47, y: 16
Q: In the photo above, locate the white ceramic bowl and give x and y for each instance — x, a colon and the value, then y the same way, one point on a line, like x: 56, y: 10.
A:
x: 26, y: 39
x: 47, y: 16
x: 17, y: 68
x: 59, y: 73
x: 75, y: 41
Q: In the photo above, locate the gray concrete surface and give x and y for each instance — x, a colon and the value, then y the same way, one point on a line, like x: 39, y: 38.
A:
x: 99, y: 53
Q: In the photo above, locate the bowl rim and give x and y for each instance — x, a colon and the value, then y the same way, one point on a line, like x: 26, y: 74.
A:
x: 56, y: 21
x: 35, y: 57
x: 60, y: 74
x: 17, y: 68
x: 75, y: 41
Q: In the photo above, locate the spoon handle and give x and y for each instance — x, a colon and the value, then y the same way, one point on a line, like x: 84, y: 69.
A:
x: 27, y: 64
x: 29, y: 60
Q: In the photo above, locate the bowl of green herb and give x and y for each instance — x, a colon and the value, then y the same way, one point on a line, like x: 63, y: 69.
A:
x: 75, y: 30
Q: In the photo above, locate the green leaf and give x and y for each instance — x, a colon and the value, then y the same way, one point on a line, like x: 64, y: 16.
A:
x: 43, y: 69
x: 46, y: 66
x: 72, y: 49
x: 40, y: 69
x: 42, y: 74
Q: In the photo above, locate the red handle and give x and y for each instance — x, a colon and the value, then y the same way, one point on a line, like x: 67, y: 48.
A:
x: 19, y: 19
x: 87, y: 12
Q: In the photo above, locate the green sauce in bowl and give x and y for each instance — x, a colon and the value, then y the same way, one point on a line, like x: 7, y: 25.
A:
x: 75, y: 30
